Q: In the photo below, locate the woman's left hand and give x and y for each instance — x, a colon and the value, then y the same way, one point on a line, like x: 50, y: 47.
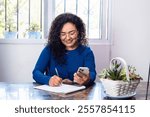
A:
x: 81, y: 79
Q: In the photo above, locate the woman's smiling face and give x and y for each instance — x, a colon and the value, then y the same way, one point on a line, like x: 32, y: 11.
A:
x: 69, y: 36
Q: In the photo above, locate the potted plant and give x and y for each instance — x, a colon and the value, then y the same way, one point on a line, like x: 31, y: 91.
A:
x: 119, y: 80
x: 11, y: 30
x: 34, y: 31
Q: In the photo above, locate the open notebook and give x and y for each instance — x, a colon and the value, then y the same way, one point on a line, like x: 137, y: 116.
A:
x: 63, y: 88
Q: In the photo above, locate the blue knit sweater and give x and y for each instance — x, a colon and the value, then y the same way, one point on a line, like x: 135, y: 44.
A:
x: 82, y: 56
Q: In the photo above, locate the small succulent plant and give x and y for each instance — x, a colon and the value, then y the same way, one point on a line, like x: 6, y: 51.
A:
x: 34, y: 27
x: 117, y: 72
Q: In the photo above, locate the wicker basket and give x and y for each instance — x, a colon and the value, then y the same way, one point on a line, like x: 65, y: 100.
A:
x: 120, y: 88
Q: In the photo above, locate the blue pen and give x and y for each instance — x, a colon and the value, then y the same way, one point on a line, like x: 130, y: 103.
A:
x: 56, y: 71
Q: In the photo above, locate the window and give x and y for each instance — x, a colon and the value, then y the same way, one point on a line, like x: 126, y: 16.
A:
x: 20, y: 17
x: 93, y: 12
x: 23, y: 15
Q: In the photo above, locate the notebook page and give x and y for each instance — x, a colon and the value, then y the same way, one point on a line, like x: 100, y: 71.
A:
x: 63, y: 88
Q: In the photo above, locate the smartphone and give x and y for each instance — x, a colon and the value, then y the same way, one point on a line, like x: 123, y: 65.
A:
x: 83, y: 70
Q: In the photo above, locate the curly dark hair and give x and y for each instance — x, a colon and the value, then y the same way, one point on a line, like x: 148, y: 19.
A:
x: 54, y: 42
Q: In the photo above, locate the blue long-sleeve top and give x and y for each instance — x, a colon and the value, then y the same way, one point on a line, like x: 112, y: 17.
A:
x: 82, y: 56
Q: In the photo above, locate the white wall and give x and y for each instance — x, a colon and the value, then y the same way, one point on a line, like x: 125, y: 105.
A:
x: 131, y: 33
x: 18, y: 59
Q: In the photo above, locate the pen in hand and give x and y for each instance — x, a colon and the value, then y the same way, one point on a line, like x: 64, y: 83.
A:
x: 57, y: 73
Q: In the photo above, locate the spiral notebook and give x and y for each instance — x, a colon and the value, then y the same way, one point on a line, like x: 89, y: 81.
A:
x: 63, y: 88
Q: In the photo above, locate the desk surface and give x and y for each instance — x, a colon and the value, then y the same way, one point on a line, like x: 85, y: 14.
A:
x: 26, y: 91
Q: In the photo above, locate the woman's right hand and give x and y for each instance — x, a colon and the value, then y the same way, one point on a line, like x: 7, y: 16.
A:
x: 55, y: 81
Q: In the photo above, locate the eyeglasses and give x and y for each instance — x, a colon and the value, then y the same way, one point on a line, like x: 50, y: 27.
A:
x: 71, y: 34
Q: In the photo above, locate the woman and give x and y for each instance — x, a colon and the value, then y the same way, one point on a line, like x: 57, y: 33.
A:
x: 65, y: 52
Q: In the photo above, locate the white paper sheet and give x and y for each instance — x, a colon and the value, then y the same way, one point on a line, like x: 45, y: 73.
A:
x: 63, y: 88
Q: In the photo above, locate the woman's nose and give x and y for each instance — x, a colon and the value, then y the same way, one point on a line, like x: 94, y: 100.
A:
x: 67, y: 36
